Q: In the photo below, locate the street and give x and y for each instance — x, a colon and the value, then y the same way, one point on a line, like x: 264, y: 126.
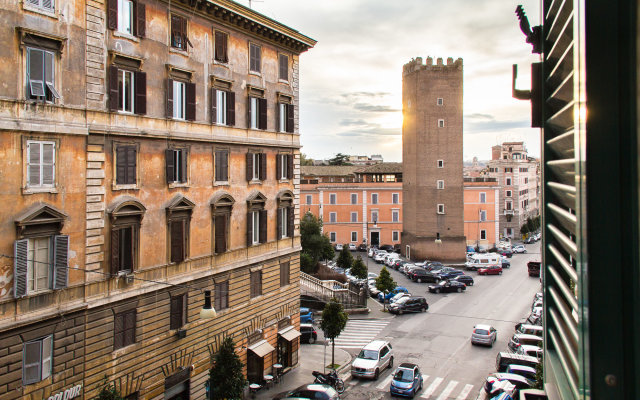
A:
x: 438, y: 341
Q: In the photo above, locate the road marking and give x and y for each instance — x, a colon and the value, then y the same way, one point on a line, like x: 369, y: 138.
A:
x: 385, y: 382
x: 445, y: 393
x: 432, y: 388
x: 465, y: 392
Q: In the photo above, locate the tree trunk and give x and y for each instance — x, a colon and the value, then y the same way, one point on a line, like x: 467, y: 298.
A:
x: 333, y: 349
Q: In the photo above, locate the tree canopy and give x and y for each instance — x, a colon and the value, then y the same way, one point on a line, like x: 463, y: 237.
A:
x: 334, y: 320
x: 315, y: 245
x: 304, y: 160
x: 385, y: 283
x: 226, y: 380
x: 339, y: 159
x: 345, y: 259
x: 359, y: 269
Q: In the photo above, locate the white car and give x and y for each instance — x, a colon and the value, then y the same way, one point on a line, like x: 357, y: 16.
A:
x: 352, y: 247
x: 379, y: 257
x: 391, y: 258
x: 398, y: 297
x: 373, y: 358
x: 519, y: 249
x: 338, y: 247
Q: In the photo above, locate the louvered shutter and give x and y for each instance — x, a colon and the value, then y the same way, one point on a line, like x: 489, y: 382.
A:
x: 169, y: 98
x: 221, y: 233
x: 278, y: 166
x: 33, y: 150
x: 118, y: 331
x: 279, y: 223
x: 131, y: 164
x: 249, y: 112
x: 121, y: 163
x: 129, y: 327
x: 289, y: 166
x: 175, y: 312
x: 249, y: 229
x: 177, y: 241
x: 140, y: 19
x: 290, y: 115
x: 249, y: 166
x: 48, y: 163
x: 231, y: 108
x: 263, y: 166
x: 112, y: 11
x: 114, y: 91
x: 20, y: 254
x: 60, y: 260
x: 170, y: 165
x: 214, y: 104
x: 141, y: 92
x: 262, y: 109
x: 183, y: 165
x: 190, y: 114
x: 225, y: 166
x: 263, y: 226
x: 290, y: 221
x: 115, y: 251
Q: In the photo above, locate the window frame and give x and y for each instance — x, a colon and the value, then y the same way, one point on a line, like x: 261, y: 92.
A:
x: 255, y: 283
x: 28, y: 5
x: 177, y: 166
x: 180, y: 35
x: 395, y: 215
x: 127, y: 335
x: 221, y: 295
x: 441, y: 123
x: 374, y: 198
x: 440, y: 184
x: 221, y: 107
x: 224, y: 47
x: 483, y: 215
x: 377, y: 216
x: 354, y: 216
x: 127, y: 181
x: 440, y: 101
x: 507, y: 181
x: 482, y: 197
x: 440, y: 163
x: 333, y: 198
x: 121, y: 19
x: 41, y: 163
x: 179, y: 94
x: 283, y: 67
x: 395, y: 236
x: 440, y: 209
x: 395, y: 198
x: 126, y: 215
x: 354, y: 198
x: 309, y: 199
x: 333, y: 217
x: 178, y: 311
x: 221, y: 165
x: 285, y: 273
x: 42, y: 373
x: 332, y: 237
x: 47, y: 84
x: 253, y: 62
x: 508, y: 193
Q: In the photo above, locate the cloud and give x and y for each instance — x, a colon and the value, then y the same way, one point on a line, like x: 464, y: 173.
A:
x: 364, y: 94
x: 473, y: 127
x: 480, y: 116
x: 371, y: 131
x: 352, y: 122
x: 374, y: 108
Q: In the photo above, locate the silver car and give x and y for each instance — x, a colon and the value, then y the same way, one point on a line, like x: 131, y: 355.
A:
x: 373, y: 358
x: 484, y: 334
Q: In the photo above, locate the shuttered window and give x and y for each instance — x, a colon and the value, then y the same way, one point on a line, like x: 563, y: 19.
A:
x: 285, y: 272
x: 256, y: 284
x: 36, y: 360
x: 285, y: 117
x: 46, y: 5
x: 220, y: 51
x: 283, y: 67
x: 255, y: 57
x: 127, y: 91
x: 124, y: 329
x: 126, y: 160
x: 124, y: 243
x: 256, y: 227
x: 256, y: 166
x: 41, y: 75
x: 178, y: 311
x: 41, y: 164
x: 127, y: 17
x: 176, y: 165
x: 40, y: 264
x: 285, y: 222
x: 222, y: 165
x: 179, y: 233
x: 221, y: 232
x: 284, y: 166
x: 257, y: 113
x: 221, y: 295
x: 179, y: 37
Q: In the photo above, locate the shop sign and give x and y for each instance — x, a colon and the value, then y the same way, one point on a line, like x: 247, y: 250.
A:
x: 67, y: 394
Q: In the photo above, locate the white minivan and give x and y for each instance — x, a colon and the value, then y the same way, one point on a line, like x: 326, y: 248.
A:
x: 480, y: 260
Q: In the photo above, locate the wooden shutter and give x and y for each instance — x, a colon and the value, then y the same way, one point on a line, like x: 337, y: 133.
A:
x: 141, y: 92
x: 249, y: 166
x: 263, y: 226
x: 60, y: 261
x: 131, y: 165
x: 249, y: 112
x: 140, y: 19
x: 170, y: 165
x: 214, y: 104
x: 20, y: 255
x: 114, y: 91
x: 278, y: 166
x: 118, y: 331
x: 169, y: 98
x: 176, y: 312
x: 129, y: 327
x: 221, y: 233
x: 115, y: 251
x: 183, y: 165
x: 225, y: 165
x: 279, y: 223
x: 290, y: 110
x: 289, y: 166
x: 290, y: 221
x: 112, y: 11
x: 262, y: 109
x: 121, y: 163
x: 263, y: 166
x: 231, y: 108
x: 249, y: 229
x: 177, y: 241
x: 221, y: 47
x: 190, y: 114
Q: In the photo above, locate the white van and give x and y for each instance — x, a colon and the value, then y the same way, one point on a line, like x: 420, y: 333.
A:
x: 480, y: 260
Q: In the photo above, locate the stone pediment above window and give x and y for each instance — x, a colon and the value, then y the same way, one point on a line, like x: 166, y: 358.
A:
x: 221, y: 84
x: 222, y: 201
x: 256, y: 199
x: 125, y: 61
x: 285, y: 198
x: 179, y: 73
x: 126, y: 206
x: 41, y: 218
x: 285, y: 98
x: 43, y: 40
x: 255, y: 91
x: 179, y: 205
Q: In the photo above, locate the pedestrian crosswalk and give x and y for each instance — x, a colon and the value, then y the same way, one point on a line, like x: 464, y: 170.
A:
x: 432, y: 388
x: 359, y: 332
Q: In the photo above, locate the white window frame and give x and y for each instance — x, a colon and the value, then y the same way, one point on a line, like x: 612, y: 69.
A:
x: 354, y: 216
x: 179, y: 100
x: 124, y: 7
x: 255, y: 227
x: 483, y: 234
x: 441, y: 123
x: 440, y: 101
x: 395, y: 236
x: 284, y: 221
x: 354, y: 236
x: 255, y: 109
x: 483, y: 215
x: 374, y: 198
x: 256, y: 166
x: 508, y: 205
x: 221, y: 107
x: 333, y: 217
x: 47, y: 82
x: 395, y: 198
x: 354, y: 198
x: 259, y: 59
x: 395, y: 215
x: 41, y: 164
x: 483, y: 197
x: 332, y: 237
x: 440, y: 209
x: 35, y: 266
x: 309, y: 199
x: 40, y: 5
x: 284, y: 166
x: 374, y: 216
x: 333, y: 198
x: 440, y: 164
x: 507, y: 181
x: 43, y: 365
x: 282, y: 117
x: 440, y: 184
x: 124, y: 94
x: 507, y: 193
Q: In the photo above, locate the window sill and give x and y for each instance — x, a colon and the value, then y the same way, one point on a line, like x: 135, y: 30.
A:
x: 283, y: 180
x: 255, y: 182
x: 283, y: 81
x: 28, y: 7
x: 124, y: 350
x: 178, y: 185
x: 221, y: 63
x: 255, y: 73
x: 176, y: 50
x: 127, y: 36
x: 121, y: 112
x: 34, y: 190
x: 125, y: 187
x: 221, y: 183
x: 178, y: 119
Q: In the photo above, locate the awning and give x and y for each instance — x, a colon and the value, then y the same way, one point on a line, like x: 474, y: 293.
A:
x: 289, y: 333
x: 262, y: 348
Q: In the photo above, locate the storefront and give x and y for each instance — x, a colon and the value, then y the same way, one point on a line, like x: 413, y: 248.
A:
x: 287, y: 346
x: 255, y: 360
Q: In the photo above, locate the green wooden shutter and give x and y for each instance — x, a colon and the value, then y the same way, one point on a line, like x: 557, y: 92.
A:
x: 60, y: 260
x: 20, y: 254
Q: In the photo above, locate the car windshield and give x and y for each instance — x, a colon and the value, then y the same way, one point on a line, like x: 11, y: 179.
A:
x: 403, y: 375
x: 442, y: 283
x: 368, y: 354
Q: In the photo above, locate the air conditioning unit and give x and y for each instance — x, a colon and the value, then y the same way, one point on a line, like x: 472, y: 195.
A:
x: 128, y: 278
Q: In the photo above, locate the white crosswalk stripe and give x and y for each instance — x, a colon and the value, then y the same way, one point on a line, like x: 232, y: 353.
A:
x: 447, y: 391
x: 383, y: 385
x: 429, y: 389
x: 432, y: 388
x: 465, y: 392
x: 358, y: 333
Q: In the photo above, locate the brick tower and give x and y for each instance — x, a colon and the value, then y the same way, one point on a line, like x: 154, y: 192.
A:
x: 433, y: 226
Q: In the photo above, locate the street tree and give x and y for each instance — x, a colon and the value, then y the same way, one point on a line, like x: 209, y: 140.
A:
x: 226, y: 380
x: 108, y: 391
x: 385, y: 284
x: 334, y: 320
x: 359, y: 269
x: 304, y: 160
x: 339, y: 159
x: 345, y: 259
x: 315, y: 245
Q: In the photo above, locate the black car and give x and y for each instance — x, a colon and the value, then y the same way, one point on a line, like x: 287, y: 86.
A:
x: 362, y: 247
x: 409, y: 304
x: 506, y: 263
x: 466, y: 279
x: 433, y: 265
x: 420, y: 275
x: 308, y: 334
x: 387, y: 247
x: 398, y: 263
x: 506, y: 252
x: 448, y: 272
x: 448, y: 286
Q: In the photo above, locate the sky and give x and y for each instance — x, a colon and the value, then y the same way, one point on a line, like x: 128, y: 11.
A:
x: 351, y: 81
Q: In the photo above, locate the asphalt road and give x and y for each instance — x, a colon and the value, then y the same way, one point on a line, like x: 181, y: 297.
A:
x: 438, y: 340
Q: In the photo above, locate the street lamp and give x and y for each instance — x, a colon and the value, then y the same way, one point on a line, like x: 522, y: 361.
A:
x: 207, y: 312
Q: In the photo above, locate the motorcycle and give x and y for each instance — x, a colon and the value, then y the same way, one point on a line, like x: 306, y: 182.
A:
x: 332, y: 379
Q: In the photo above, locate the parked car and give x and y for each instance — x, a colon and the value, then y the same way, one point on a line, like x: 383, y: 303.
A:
x: 446, y: 286
x: 504, y: 359
x: 533, y: 268
x: 374, y: 357
x: 529, y: 329
x: 379, y: 257
x: 529, y: 240
x: 466, y: 279
x: 394, y: 292
x: 306, y: 316
x: 338, y: 247
x: 420, y: 275
x: 448, y: 272
x: 362, y: 247
x: 308, y: 333
x: 398, y: 297
x: 505, y: 263
x: 522, y: 370
x: 484, y: 334
x: 482, y: 260
x: 387, y: 248
x: 520, y: 382
x: 409, y: 304
x: 490, y: 270
x: 391, y: 258
x: 507, y: 252
x: 371, y: 252
x: 519, y: 339
x: 408, y: 269
x: 519, y: 249
x: 397, y: 263
x: 407, y: 380
x: 352, y: 247
x: 310, y: 391
x: 372, y: 275
x: 529, y: 350
x: 433, y: 265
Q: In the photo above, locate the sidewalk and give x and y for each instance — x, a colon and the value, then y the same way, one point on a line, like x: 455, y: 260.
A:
x: 312, y: 358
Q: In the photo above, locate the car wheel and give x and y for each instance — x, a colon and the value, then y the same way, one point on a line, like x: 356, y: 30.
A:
x: 459, y: 290
x: 423, y: 309
x: 437, y: 290
x: 400, y: 311
x: 419, y: 280
x: 499, y: 272
x: 470, y: 284
x: 311, y: 340
x: 391, y: 363
x: 376, y: 374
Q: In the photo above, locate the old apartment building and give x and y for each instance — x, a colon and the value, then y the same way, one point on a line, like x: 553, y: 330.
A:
x: 149, y: 152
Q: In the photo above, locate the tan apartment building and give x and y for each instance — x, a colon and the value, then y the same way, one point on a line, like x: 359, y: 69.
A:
x: 150, y: 153
x: 481, y: 218
x: 432, y: 158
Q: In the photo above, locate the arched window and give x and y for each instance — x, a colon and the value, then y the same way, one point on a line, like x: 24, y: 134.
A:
x: 286, y: 214
x: 256, y: 219
x: 126, y: 216
x: 221, y: 206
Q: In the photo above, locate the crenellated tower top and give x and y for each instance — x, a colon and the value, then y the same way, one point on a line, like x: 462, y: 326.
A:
x: 416, y: 64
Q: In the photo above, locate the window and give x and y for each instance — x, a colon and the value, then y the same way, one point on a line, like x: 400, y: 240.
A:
x: 483, y: 234
x: 176, y: 165
x: 222, y: 165
x: 285, y: 219
x: 374, y: 198
x: 220, y: 50
x: 440, y: 101
x: 309, y: 200
x: 257, y: 113
x: 221, y: 295
x: 125, y: 228
x: 179, y: 238
x: 509, y: 232
x: 285, y: 272
x: 181, y: 100
x: 440, y: 163
x: 395, y: 198
x: 38, y: 260
x: 374, y: 216
x: 332, y: 236
x: 255, y: 57
x: 508, y: 170
x: 126, y: 160
x: 354, y: 236
x: 256, y: 166
x: 507, y: 193
x: 440, y: 184
x: 332, y: 198
x: 126, y: 90
x: 221, y: 207
x: 508, y: 181
x: 526, y: 180
x: 179, y: 37
x: 179, y: 103
x: 285, y: 116
x: 395, y: 236
x: 221, y: 107
x: 333, y: 217
x: 256, y: 284
x: 283, y: 67
x: 41, y: 75
x: 124, y: 329
x: 178, y: 311
x: 354, y: 217
x: 45, y: 5
x: 354, y: 198
x: 41, y: 160
x: 440, y: 208
x: 483, y: 197
x: 256, y: 220
x: 508, y: 205
x: 483, y: 215
x: 284, y: 166
x: 126, y: 16
x: 440, y: 123
x: 395, y: 215
x: 36, y: 360
x: 255, y: 227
